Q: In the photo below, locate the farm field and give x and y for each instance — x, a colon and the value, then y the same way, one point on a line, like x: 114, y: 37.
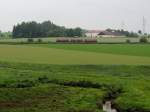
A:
x: 123, y: 49
x: 73, y: 88
x: 55, y: 54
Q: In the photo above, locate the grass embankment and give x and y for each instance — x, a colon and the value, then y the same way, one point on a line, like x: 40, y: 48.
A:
x: 44, y: 55
x: 73, y: 88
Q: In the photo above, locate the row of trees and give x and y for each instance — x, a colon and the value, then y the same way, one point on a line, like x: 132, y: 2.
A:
x: 45, y: 29
x: 5, y: 34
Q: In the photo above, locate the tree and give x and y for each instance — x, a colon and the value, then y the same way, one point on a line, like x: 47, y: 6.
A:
x: 140, y: 32
x: 45, y: 29
x: 78, y: 32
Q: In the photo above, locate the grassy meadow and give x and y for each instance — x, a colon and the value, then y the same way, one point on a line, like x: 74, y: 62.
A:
x: 73, y: 88
x: 75, y: 54
x: 74, y: 77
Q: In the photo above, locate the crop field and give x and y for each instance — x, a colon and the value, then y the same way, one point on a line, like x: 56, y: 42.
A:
x: 74, y: 77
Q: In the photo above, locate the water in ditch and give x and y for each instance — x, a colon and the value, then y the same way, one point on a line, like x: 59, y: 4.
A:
x: 107, y: 107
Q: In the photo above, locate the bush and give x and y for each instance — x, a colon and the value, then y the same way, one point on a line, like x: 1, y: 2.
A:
x: 39, y: 40
x: 43, y: 79
x: 3, y: 85
x: 84, y: 84
x: 128, y: 41
x: 82, y: 110
x: 113, y: 91
x: 143, y: 40
x: 30, y: 40
x: 25, y: 84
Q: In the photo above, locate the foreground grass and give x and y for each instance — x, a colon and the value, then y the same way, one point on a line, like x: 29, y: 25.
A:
x: 73, y: 88
x: 44, y: 55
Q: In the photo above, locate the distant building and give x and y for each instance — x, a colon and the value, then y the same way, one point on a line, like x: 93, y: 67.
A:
x: 92, y: 33
x: 102, y: 33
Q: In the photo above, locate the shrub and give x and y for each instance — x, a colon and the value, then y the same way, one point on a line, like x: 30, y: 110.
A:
x: 113, y: 91
x: 43, y: 79
x: 39, y: 40
x: 30, y: 40
x: 128, y: 41
x: 84, y: 84
x: 77, y: 41
x: 82, y: 110
x: 21, y: 84
x: 3, y: 85
x: 143, y: 40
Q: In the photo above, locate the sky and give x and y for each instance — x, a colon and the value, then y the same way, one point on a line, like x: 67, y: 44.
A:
x: 87, y: 14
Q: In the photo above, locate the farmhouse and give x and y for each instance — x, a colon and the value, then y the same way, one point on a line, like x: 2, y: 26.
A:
x: 92, y: 33
x: 102, y: 33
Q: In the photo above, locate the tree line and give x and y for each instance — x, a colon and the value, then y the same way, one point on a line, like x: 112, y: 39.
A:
x: 5, y: 34
x: 44, y: 29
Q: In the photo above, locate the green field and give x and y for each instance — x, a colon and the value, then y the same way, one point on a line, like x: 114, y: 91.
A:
x: 76, y: 88
x: 74, y: 78
x: 123, y: 49
x: 63, y: 54
x: 53, y: 39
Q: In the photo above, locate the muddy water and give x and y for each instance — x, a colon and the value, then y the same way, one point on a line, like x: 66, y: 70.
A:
x: 107, y: 107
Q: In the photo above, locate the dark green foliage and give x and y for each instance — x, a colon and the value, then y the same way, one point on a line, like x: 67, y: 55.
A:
x: 45, y: 29
x: 84, y: 84
x: 43, y: 79
x: 30, y: 40
x: 113, y: 91
x: 128, y: 41
x: 5, y: 34
x: 18, y: 84
x: 83, y: 110
x: 24, y: 84
x: 39, y: 40
x: 143, y: 40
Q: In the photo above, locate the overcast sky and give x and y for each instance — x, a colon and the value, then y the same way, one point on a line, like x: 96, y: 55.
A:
x: 88, y: 14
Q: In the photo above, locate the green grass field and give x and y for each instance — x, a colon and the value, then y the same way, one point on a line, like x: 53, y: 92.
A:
x: 76, y: 88
x: 123, y: 49
x: 74, y: 78
x: 63, y: 54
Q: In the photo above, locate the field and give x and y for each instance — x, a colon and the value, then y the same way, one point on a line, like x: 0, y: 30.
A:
x: 100, y: 40
x: 92, y: 54
x: 123, y: 49
x: 74, y: 78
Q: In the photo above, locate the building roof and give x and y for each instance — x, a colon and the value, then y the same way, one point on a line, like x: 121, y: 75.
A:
x: 104, y: 32
x: 110, y: 33
x: 94, y: 31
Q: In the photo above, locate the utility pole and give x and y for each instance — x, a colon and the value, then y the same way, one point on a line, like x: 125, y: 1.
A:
x: 144, y: 25
x: 122, y: 25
